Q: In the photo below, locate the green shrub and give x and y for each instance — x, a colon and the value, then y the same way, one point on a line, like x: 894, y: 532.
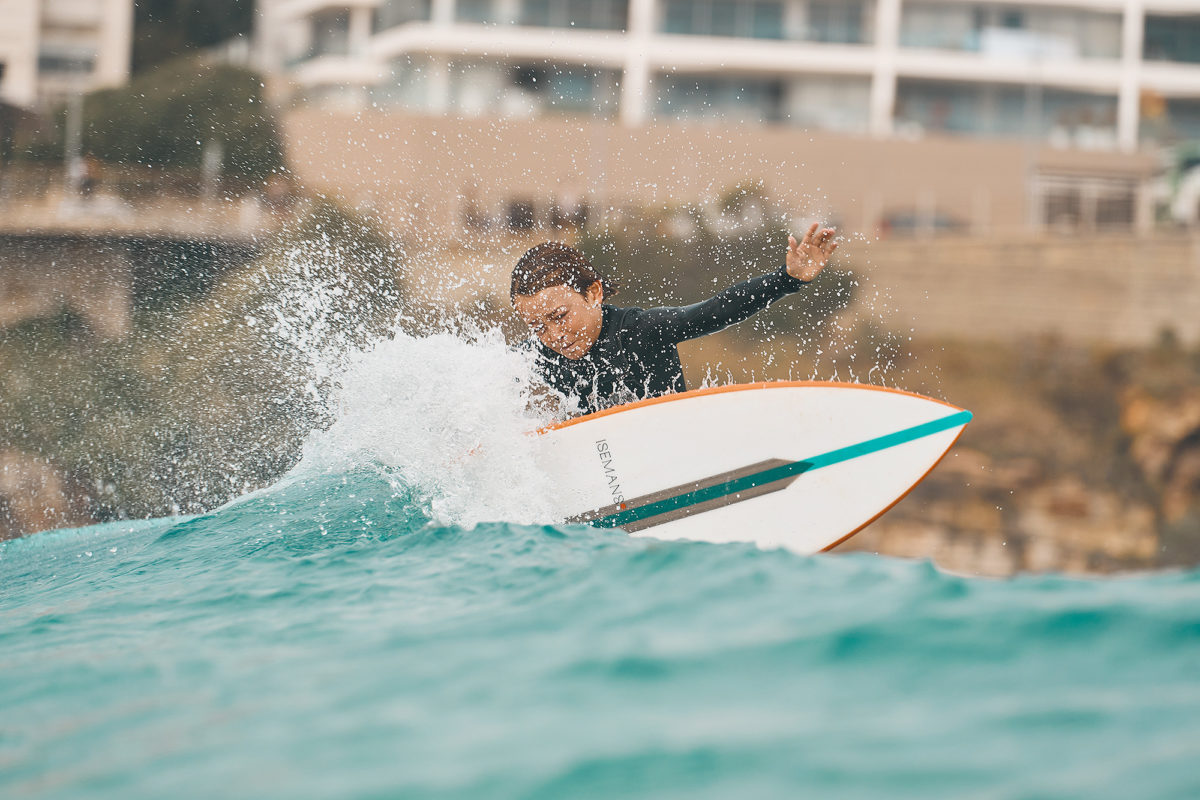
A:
x: 166, y: 116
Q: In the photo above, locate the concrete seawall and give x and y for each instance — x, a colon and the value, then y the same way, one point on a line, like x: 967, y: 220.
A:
x: 1112, y: 289
x: 1106, y: 289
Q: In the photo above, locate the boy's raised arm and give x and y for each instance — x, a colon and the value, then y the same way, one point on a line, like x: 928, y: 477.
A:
x: 805, y: 260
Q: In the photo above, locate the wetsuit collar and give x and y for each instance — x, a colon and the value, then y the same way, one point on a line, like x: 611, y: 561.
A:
x: 606, y: 323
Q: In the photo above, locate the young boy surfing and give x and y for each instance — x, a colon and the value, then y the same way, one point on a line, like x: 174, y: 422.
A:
x: 604, y: 355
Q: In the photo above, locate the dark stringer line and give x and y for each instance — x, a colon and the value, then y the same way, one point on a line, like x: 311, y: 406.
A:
x: 696, y: 497
x: 747, y: 482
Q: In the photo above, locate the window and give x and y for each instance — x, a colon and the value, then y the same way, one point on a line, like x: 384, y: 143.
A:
x: 573, y: 90
x: 1168, y: 120
x: 766, y: 20
x: 724, y: 18
x: 839, y: 23
x: 1070, y: 203
x: 940, y: 26
x: 1173, y: 38
x: 330, y: 33
x: 1115, y: 209
x: 1042, y: 32
x: 410, y: 85
x: 678, y: 17
x: 1062, y: 207
x: 829, y: 102
x: 1063, y: 117
x: 63, y: 62
x: 474, y: 11
x: 568, y: 88
x: 760, y: 19
x: 522, y: 216
x: 593, y: 14
x: 64, y: 57
x: 1012, y: 18
x: 538, y: 12
x: 1079, y: 119
x: 949, y: 107
x: 719, y: 97
x: 476, y: 88
x: 398, y: 12
x: 580, y: 13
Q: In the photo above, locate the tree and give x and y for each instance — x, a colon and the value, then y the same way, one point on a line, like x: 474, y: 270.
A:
x: 164, y: 30
x: 166, y: 116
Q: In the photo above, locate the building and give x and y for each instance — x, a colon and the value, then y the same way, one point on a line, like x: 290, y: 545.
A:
x: 53, y: 48
x: 1031, y: 86
x: 1085, y: 74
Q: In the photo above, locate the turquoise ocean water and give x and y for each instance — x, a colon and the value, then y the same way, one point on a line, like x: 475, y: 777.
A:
x: 362, y: 629
x: 327, y: 638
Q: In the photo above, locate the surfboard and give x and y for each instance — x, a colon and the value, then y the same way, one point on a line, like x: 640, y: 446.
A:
x: 801, y: 464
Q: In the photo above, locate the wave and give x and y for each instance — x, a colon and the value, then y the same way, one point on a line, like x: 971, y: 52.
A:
x: 332, y: 636
x: 449, y: 416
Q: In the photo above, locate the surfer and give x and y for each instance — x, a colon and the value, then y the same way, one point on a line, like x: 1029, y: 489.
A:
x: 604, y: 355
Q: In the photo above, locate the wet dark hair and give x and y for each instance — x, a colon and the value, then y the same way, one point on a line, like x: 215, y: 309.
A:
x: 555, y: 264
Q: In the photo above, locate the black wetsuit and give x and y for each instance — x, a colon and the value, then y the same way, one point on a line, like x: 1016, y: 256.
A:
x: 636, y: 355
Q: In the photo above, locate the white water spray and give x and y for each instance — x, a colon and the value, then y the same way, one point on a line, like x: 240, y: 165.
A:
x: 450, y: 416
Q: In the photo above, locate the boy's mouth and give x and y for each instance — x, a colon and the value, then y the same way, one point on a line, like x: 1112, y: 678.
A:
x: 568, y: 348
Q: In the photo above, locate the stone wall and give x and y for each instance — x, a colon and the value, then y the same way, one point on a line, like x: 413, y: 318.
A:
x: 420, y: 171
x: 1121, y: 290
x: 35, y: 496
x: 42, y: 277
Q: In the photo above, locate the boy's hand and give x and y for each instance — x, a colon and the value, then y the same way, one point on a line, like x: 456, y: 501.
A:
x: 806, y: 259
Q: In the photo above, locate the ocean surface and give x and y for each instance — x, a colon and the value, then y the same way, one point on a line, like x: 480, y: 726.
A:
x: 365, y: 628
x: 328, y: 638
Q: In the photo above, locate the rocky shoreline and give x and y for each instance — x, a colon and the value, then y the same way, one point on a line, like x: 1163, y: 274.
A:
x: 1080, y: 459
x: 1125, y: 501
x: 1029, y: 488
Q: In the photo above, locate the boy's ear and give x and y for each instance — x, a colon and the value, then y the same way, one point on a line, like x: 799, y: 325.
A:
x: 595, y: 293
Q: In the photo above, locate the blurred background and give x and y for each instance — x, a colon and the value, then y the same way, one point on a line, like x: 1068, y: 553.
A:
x: 1018, y: 185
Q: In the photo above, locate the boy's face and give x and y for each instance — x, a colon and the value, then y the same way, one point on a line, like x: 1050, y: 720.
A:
x: 564, y: 320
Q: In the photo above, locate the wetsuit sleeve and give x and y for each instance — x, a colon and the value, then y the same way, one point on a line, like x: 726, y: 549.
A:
x: 738, y: 302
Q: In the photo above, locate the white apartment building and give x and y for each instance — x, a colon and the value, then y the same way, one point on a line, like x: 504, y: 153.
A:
x: 1093, y: 74
x: 53, y: 48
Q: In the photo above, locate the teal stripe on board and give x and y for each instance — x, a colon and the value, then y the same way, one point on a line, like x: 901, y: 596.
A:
x: 786, y: 471
x: 890, y: 440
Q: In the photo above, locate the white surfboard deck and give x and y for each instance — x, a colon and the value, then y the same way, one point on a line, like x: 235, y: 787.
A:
x: 801, y: 465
